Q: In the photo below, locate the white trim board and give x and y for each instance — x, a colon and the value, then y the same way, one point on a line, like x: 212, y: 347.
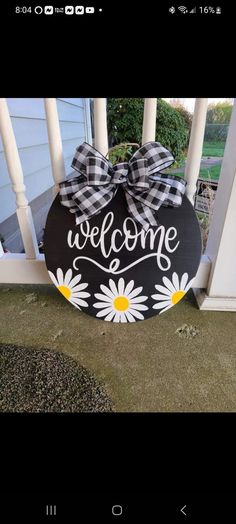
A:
x: 17, y: 269
x: 206, y: 303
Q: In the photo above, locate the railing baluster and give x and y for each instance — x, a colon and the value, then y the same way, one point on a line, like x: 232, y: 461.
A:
x: 23, y: 210
x: 149, y: 120
x: 100, y: 125
x: 55, y: 142
x: 195, y: 147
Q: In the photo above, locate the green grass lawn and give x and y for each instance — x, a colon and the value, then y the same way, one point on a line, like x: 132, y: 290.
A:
x: 211, y: 174
x: 213, y: 149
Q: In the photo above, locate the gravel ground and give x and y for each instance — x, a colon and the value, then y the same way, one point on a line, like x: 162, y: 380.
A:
x: 40, y: 380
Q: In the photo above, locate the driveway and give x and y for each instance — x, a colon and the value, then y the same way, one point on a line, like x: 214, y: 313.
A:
x: 206, y: 162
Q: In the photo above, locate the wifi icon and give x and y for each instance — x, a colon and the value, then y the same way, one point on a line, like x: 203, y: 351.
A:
x: 183, y: 9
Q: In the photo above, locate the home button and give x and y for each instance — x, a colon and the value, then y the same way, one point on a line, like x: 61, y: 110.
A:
x: 117, y: 510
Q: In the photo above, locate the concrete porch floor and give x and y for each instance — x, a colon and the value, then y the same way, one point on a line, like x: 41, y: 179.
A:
x: 146, y: 366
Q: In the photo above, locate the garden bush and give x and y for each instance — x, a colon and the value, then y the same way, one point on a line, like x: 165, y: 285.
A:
x: 125, y: 118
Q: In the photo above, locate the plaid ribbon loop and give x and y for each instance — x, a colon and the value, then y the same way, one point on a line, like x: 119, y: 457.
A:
x: 145, y: 187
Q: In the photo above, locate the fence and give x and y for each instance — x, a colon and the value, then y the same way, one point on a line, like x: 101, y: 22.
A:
x: 216, y: 132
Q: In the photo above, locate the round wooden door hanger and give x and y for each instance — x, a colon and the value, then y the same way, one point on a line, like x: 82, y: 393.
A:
x: 122, y: 242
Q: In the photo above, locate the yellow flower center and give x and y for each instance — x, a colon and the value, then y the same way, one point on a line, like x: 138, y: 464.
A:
x: 121, y: 303
x: 176, y: 297
x: 65, y: 291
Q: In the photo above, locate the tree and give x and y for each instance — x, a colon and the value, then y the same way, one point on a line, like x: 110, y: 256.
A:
x: 219, y: 113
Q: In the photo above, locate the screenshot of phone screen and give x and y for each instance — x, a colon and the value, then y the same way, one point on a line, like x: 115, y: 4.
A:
x: 117, y: 252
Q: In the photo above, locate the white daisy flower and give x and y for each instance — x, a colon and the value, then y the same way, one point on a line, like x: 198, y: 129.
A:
x: 173, y: 291
x: 120, y: 303
x: 70, y: 288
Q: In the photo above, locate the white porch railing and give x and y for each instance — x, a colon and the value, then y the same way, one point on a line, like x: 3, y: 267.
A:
x: 30, y: 267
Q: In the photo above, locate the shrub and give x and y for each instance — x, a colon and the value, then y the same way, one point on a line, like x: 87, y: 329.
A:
x: 125, y: 118
x: 171, y: 129
x: 188, y: 117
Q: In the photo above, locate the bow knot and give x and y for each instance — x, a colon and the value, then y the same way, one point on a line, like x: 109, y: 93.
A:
x: 145, y: 187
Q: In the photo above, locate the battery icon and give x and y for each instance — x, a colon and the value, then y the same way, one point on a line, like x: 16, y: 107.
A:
x: 218, y: 10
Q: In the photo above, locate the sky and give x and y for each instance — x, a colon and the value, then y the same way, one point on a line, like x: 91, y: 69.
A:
x: 189, y: 102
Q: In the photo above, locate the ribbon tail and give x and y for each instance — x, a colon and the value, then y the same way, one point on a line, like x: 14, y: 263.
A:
x: 144, y: 215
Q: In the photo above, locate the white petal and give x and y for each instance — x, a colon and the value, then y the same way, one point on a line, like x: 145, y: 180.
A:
x: 60, y: 277
x: 189, y: 285
x: 175, y: 280
x: 135, y: 292
x: 123, y: 318
x: 129, y: 288
x: 80, y: 294
x: 113, y: 287
x: 139, y: 307
x: 136, y: 314
x: 75, y: 281
x: 138, y: 299
x: 160, y: 305
x: 80, y: 287
x: 78, y: 301
x: 168, y: 284
x: 68, y: 277
x: 104, y: 312
x: 121, y: 286
x: 164, y: 290
x: 104, y: 298
x: 160, y: 297
x: 100, y: 305
x: 117, y: 317
x: 107, y: 291
x: 53, y: 278
x: 184, y: 281
x: 165, y: 309
x: 75, y: 305
x: 110, y: 316
x: 129, y: 317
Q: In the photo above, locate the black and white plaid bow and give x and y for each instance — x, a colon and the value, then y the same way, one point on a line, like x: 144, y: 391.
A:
x: 145, y: 190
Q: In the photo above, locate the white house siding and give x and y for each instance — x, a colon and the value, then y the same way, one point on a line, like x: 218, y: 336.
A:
x: 29, y: 124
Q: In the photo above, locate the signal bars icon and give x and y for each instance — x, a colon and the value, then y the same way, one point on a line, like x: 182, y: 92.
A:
x: 194, y: 10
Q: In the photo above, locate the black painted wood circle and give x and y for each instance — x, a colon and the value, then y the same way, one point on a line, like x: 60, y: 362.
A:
x: 110, y: 268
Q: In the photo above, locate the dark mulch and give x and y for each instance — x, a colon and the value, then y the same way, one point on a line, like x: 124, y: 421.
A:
x: 39, y: 380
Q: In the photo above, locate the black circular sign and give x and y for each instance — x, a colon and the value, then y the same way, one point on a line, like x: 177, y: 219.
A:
x: 114, y: 270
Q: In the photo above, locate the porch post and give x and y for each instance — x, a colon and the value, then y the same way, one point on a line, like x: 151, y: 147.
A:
x: 100, y: 125
x: 195, y: 147
x: 221, y: 244
x: 149, y: 120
